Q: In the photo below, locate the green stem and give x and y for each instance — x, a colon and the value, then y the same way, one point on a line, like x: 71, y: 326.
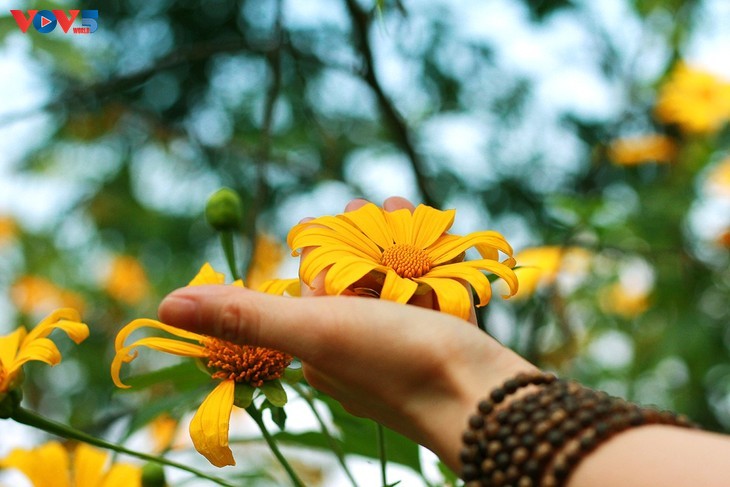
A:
x: 325, y: 431
x: 30, y: 418
x: 382, y: 454
x: 229, y: 250
x: 256, y: 415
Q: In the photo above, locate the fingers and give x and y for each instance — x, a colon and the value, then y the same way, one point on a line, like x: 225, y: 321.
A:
x: 396, y: 203
x: 356, y: 204
x: 316, y: 330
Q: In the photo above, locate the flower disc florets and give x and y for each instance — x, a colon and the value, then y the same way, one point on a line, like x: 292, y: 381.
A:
x: 243, y: 363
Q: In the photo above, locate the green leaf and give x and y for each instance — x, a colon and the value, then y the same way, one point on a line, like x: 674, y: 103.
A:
x: 274, y: 392
x: 293, y: 376
x: 184, y: 376
x: 278, y: 415
x: 243, y: 395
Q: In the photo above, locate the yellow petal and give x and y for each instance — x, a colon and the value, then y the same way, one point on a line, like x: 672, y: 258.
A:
x: 46, y: 465
x: 238, y: 283
x: 281, y: 286
x: 209, y: 426
x: 498, y: 269
x: 147, y: 323
x: 41, y: 349
x: 452, y: 296
x: 207, y: 275
x: 66, y: 319
x: 446, y: 249
x: 167, y: 345
x: 429, y: 224
x: 401, y: 225
x: 329, y: 230
x: 344, y: 273
x: 478, y: 281
x: 397, y: 289
x: 122, y: 475
x: 88, y: 465
x: 9, y: 345
x: 320, y: 259
x: 370, y: 220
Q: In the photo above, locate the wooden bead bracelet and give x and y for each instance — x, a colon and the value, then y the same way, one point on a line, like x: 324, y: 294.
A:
x: 538, y: 439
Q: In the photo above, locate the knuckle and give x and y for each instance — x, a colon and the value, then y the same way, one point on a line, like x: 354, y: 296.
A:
x: 237, y: 323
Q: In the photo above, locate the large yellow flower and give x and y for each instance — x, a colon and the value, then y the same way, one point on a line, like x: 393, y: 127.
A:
x: 127, y: 281
x: 21, y: 346
x: 50, y: 465
x: 228, y: 363
x: 696, y: 100
x: 406, y: 253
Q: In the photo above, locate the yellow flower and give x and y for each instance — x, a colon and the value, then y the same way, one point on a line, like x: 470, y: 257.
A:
x: 51, y: 465
x: 163, y: 429
x: 8, y: 229
x: 228, y: 363
x: 632, y: 151
x: 33, y: 294
x: 540, y: 266
x: 267, y: 256
x: 694, y: 99
x: 127, y: 281
x: 718, y: 181
x: 22, y: 346
x: 407, y: 253
x: 618, y: 300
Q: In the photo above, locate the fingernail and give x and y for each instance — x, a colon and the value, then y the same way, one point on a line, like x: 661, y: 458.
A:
x: 179, y: 311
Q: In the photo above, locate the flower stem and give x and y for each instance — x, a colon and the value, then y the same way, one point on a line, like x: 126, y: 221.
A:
x: 258, y: 417
x: 229, y: 250
x: 382, y: 454
x: 30, y: 418
x: 325, y: 431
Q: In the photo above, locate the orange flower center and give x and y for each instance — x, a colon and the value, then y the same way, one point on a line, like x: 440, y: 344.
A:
x: 406, y: 260
x: 243, y: 363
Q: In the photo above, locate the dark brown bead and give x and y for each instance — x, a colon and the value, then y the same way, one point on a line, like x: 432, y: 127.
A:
x: 469, y: 472
x: 493, y: 448
x: 485, y: 407
x: 555, y: 437
x: 570, y: 427
x: 488, y: 466
x: 516, y: 417
x: 542, y: 428
x: 502, y: 459
x: 511, y: 386
x: 468, y: 454
x: 474, y: 483
x: 497, y: 395
x: 525, y: 481
x: 549, y: 481
x: 491, y: 428
x: 502, y: 416
x: 470, y: 437
x: 504, y: 432
x: 523, y: 380
x: 572, y: 447
x: 588, y: 439
x: 511, y: 442
x: 543, y: 450
x: 476, y: 422
x: 522, y: 427
x: 512, y: 474
x: 528, y: 440
x: 585, y: 417
x: 498, y: 478
x: 532, y: 467
x: 560, y: 466
x: 520, y: 455
x: 558, y: 415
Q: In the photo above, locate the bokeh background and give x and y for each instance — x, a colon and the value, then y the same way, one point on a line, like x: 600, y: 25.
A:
x: 592, y: 134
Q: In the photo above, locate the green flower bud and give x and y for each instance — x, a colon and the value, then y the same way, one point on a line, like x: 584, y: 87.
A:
x: 153, y: 475
x: 224, y: 211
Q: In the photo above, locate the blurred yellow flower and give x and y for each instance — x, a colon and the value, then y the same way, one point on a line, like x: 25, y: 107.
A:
x: 619, y: 300
x: 228, y: 363
x: 718, y: 181
x: 34, y: 294
x: 540, y: 266
x: 8, y: 229
x: 163, y: 429
x: 127, y: 281
x: 51, y: 465
x: 696, y: 100
x: 405, y: 253
x: 631, y: 151
x: 268, y: 254
x: 21, y: 346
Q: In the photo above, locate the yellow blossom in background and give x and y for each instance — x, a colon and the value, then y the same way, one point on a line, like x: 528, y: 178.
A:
x: 127, y: 281
x: 8, y: 229
x: 718, y: 180
x: 540, y: 266
x: 52, y: 465
x: 21, y: 346
x: 405, y: 254
x: 228, y: 363
x: 34, y: 294
x: 696, y: 100
x: 163, y: 429
x: 631, y: 151
x: 268, y: 254
x: 619, y: 300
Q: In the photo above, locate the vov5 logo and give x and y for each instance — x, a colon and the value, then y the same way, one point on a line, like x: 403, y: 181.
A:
x: 45, y: 21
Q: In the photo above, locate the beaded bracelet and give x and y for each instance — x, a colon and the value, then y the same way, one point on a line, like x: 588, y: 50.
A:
x: 537, y: 440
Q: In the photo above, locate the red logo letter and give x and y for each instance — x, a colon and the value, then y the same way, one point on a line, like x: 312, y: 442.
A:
x: 20, y: 19
x: 63, y: 21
